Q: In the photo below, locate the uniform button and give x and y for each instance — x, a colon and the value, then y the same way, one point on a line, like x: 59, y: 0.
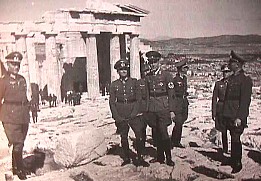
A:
x: 12, y: 111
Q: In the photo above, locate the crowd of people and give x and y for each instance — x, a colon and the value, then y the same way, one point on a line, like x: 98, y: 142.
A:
x: 156, y: 100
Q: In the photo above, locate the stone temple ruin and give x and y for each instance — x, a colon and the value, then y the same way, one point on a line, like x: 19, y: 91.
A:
x: 72, y: 49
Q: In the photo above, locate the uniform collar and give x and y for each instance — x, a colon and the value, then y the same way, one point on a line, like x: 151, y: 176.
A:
x: 238, y: 72
x: 124, y: 79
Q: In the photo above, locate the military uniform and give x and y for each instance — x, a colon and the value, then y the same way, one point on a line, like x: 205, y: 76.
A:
x: 160, y: 104
x: 181, y: 108
x: 236, y: 106
x: 14, y: 112
x: 218, y: 98
x: 124, y: 105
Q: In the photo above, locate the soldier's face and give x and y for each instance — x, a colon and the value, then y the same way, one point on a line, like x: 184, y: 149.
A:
x: 13, y: 67
x: 233, y: 66
x: 155, y: 65
x: 123, y: 72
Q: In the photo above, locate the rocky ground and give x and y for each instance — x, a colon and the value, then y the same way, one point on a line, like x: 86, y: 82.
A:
x: 200, y: 160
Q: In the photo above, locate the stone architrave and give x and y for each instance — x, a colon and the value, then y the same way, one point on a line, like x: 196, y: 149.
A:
x: 114, y: 55
x: 92, y: 67
x: 22, y: 48
x: 80, y: 148
x: 134, y: 57
x: 53, y: 82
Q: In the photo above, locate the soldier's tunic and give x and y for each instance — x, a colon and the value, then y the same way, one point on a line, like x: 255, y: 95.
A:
x: 124, y: 105
x: 237, y: 100
x: 160, y: 101
x: 181, y: 107
x: 14, y: 112
x: 218, y: 103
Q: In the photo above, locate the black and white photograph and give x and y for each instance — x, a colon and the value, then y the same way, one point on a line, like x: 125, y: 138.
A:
x: 130, y: 90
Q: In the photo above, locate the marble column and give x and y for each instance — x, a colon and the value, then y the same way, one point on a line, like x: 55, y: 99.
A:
x: 53, y: 77
x: 93, y: 88
x: 24, y: 70
x: 134, y: 57
x: 115, y: 55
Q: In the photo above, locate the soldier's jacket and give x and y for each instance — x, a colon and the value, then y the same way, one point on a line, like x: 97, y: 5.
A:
x: 180, y: 88
x: 144, y: 95
x: 124, y: 99
x: 14, y: 102
x: 160, y: 91
x: 218, y: 96
x: 238, y: 96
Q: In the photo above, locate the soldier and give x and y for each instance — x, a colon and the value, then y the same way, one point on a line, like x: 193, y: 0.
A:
x: 181, y: 109
x: 236, y: 107
x: 14, y: 112
x: 124, y: 105
x: 217, y: 105
x: 34, y: 109
x: 160, y: 106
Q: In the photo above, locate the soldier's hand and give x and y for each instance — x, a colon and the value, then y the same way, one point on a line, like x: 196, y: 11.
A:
x: 237, y: 122
x: 172, y: 116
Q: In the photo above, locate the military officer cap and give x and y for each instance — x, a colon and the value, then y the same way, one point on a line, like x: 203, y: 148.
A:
x: 182, y: 63
x: 153, y: 56
x: 236, y: 58
x: 224, y: 68
x: 14, y: 57
x: 122, y: 64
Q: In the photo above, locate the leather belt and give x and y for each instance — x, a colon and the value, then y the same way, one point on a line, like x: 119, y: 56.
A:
x: 158, y: 94
x: 18, y: 103
x: 126, y: 101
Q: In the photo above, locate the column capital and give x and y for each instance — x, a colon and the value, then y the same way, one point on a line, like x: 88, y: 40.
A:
x: 48, y: 34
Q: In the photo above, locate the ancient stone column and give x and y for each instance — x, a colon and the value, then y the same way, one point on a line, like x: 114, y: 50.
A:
x: 134, y: 57
x: 21, y: 47
x: 34, y: 65
x: 92, y: 67
x: 114, y: 55
x: 54, y: 80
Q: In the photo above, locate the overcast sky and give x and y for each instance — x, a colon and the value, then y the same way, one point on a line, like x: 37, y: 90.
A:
x: 167, y: 18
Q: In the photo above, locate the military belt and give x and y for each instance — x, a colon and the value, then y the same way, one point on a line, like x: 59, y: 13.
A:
x: 158, y: 94
x: 126, y: 101
x: 18, y: 103
x: 232, y: 98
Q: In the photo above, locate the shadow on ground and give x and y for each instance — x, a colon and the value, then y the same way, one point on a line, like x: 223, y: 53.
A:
x: 212, y: 173
x: 40, y: 160
x: 255, y: 156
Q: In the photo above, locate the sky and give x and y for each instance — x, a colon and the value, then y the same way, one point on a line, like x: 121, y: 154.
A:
x: 167, y: 18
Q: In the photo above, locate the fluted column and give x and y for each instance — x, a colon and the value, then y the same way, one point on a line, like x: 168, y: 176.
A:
x: 54, y: 81
x: 21, y: 47
x: 115, y: 55
x: 92, y: 67
x: 34, y: 65
x: 134, y: 57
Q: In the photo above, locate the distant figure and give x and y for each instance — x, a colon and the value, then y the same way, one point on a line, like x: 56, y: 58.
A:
x: 50, y: 100
x: 54, y: 101
x: 42, y: 97
x: 218, y: 103
x: 236, y: 107
x: 34, y: 109
x: 70, y: 98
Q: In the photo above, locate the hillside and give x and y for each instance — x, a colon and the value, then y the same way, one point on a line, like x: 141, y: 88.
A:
x: 243, y: 44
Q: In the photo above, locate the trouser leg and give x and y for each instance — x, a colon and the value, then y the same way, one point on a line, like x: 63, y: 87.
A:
x: 224, y: 141
x: 176, y: 133
x: 167, y: 150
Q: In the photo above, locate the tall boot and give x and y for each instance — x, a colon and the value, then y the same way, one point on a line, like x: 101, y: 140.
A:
x: 237, y: 157
x: 18, y: 168
x: 160, y: 152
x: 167, y: 150
x: 224, y: 142
x: 176, y: 135
x: 141, y: 161
x: 126, y: 152
x: 154, y: 136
